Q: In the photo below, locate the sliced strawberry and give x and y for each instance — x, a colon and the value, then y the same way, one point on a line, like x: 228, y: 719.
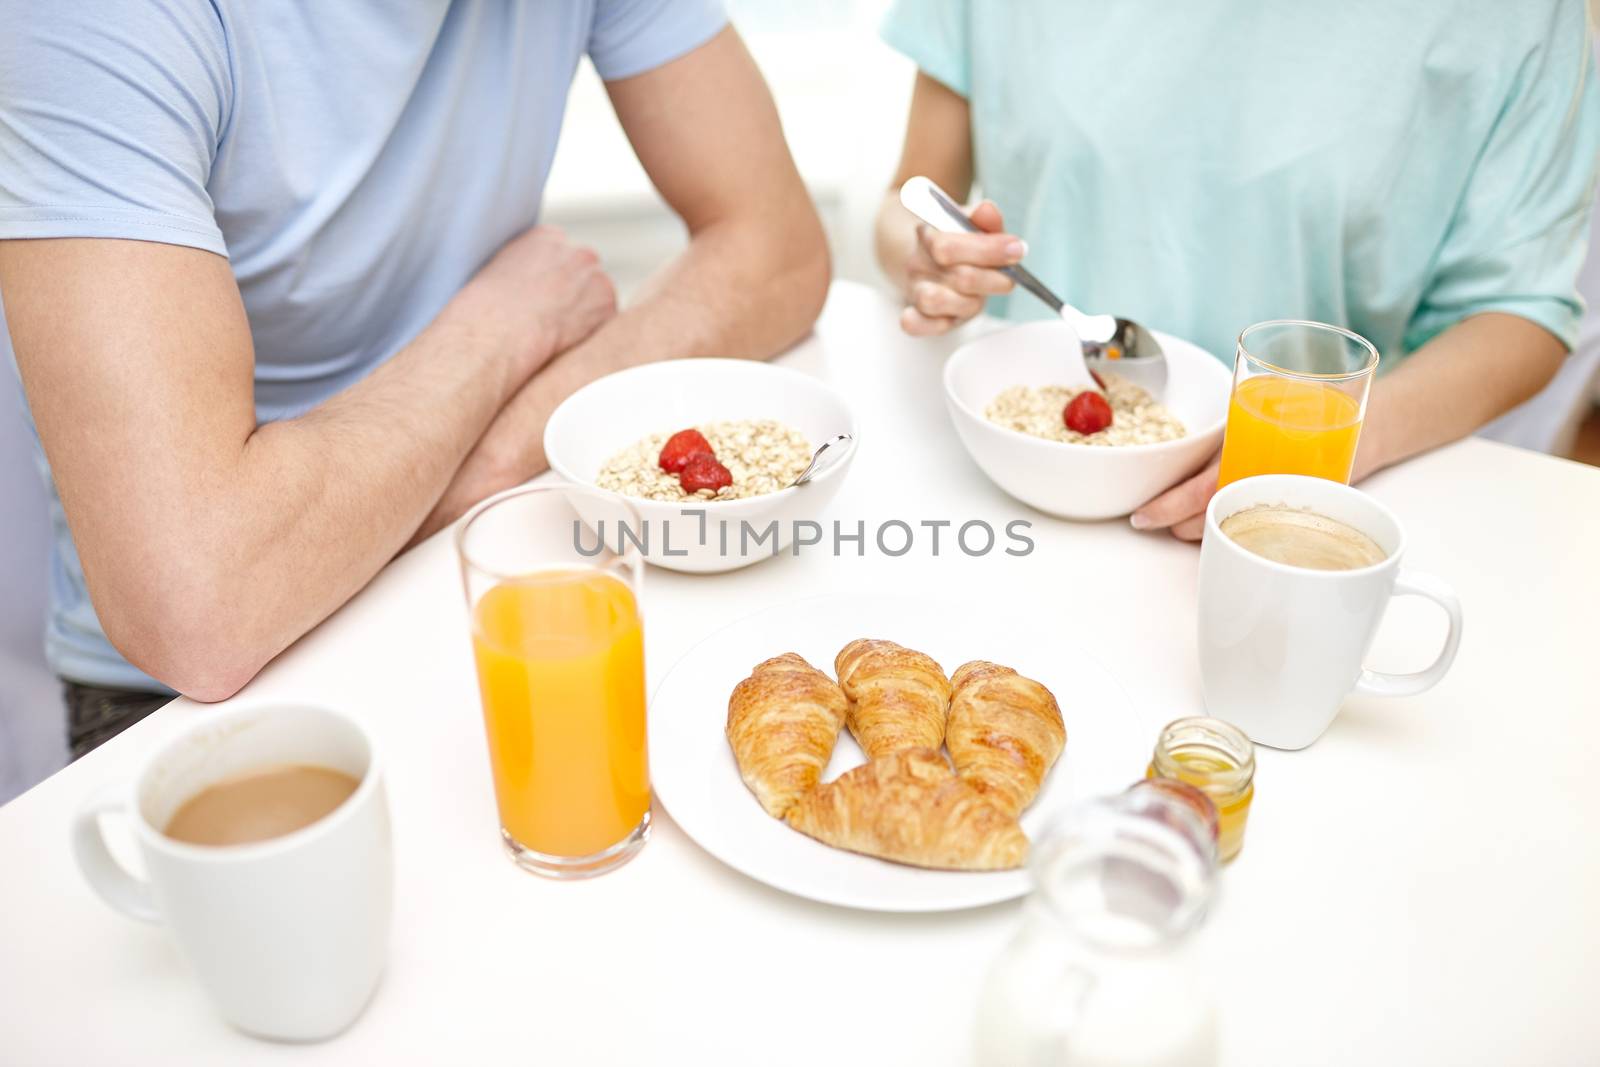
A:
x: 702, y: 471
x: 681, y: 447
x: 1087, y: 413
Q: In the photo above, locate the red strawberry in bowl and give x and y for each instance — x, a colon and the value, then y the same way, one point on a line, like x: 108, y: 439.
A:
x: 681, y: 447
x: 702, y: 471
x: 1087, y: 413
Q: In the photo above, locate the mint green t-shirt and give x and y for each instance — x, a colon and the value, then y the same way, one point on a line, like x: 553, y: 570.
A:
x: 1202, y: 165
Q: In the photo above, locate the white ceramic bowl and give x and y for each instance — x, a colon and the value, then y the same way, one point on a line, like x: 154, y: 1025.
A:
x: 1071, y: 480
x: 608, y: 415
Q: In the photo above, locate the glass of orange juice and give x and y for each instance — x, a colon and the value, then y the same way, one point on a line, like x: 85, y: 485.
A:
x: 1299, y: 395
x: 559, y: 647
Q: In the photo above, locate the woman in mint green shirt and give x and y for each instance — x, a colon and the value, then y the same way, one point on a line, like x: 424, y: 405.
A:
x: 1419, y: 172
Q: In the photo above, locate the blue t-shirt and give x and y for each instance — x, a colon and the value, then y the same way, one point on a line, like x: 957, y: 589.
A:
x: 355, y: 160
x: 1388, y: 165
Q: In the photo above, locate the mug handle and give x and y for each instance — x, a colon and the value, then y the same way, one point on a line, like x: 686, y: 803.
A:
x: 107, y: 877
x: 1412, y: 583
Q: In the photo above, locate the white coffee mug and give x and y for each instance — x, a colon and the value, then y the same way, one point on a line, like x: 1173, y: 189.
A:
x: 1281, y: 647
x: 289, y: 936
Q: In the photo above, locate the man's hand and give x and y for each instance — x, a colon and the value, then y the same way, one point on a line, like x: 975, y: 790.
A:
x: 541, y: 290
x: 949, y: 275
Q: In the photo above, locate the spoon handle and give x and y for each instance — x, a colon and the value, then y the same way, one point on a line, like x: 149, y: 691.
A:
x: 1024, y: 277
x: 818, y: 464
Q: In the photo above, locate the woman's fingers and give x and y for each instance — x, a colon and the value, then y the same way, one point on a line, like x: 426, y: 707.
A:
x: 937, y: 300
x: 986, y: 216
x: 1190, y: 529
x: 917, y: 324
x: 978, y: 281
x: 977, y: 249
x: 1181, y: 508
x: 936, y: 307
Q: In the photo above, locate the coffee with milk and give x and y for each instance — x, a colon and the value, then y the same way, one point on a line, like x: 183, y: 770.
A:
x: 1301, y: 538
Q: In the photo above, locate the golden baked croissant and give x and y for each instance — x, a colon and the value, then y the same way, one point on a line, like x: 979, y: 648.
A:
x: 1004, y: 733
x: 898, y: 697
x: 911, y: 807
x: 782, y: 723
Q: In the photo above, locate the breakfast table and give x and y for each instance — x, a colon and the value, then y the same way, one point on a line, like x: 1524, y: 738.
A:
x: 1419, y: 886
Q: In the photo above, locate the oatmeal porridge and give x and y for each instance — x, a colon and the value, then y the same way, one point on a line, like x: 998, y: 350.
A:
x: 759, y: 455
x: 1138, y: 418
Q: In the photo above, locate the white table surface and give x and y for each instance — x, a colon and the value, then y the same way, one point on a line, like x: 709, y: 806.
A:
x: 1421, y: 886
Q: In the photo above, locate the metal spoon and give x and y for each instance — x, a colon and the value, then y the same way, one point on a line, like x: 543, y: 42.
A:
x: 1120, y: 346
x: 816, y: 466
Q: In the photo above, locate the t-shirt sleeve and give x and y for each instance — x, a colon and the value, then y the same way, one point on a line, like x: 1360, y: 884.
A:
x: 1519, y: 234
x: 110, y: 116
x: 933, y: 35
x: 630, y: 37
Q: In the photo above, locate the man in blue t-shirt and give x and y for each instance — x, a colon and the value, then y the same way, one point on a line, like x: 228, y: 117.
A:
x: 280, y: 305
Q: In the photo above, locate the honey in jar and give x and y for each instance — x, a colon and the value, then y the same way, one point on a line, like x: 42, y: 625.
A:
x: 1218, y: 759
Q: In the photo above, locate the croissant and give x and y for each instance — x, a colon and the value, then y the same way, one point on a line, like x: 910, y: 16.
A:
x: 782, y: 723
x: 910, y: 807
x: 898, y: 697
x: 1004, y: 733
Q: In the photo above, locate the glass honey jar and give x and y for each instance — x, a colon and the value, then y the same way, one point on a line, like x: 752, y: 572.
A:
x: 1218, y: 759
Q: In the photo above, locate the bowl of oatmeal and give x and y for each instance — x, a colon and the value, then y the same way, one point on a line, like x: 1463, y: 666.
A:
x: 705, y: 451
x: 1081, y: 457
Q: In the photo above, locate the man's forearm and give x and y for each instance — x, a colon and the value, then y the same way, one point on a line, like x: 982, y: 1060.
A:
x: 210, y: 542
x: 310, y: 508
x: 736, y: 291
x: 1473, y: 372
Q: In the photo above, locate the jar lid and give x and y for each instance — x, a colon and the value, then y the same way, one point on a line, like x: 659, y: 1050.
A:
x: 1225, y: 748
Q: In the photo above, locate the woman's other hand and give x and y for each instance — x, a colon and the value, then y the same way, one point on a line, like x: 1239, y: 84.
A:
x: 1181, y: 510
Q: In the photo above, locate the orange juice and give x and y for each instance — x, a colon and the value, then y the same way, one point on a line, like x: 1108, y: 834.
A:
x: 1280, y: 425
x: 561, y: 668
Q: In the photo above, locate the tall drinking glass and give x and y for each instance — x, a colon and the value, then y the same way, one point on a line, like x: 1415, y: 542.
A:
x: 1299, y: 395
x: 560, y: 655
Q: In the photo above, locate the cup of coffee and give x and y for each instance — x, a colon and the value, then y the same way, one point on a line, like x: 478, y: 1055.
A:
x: 265, y: 838
x: 1295, y: 575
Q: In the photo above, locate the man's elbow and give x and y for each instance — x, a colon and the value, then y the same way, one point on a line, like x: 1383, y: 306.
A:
x: 818, y: 274
x: 182, y: 645
x: 808, y: 273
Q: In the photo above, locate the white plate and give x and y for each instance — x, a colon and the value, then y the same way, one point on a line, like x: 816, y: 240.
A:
x: 696, y: 778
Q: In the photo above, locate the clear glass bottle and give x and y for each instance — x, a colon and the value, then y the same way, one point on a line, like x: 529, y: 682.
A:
x: 1101, y: 972
x: 1139, y: 793
x: 1218, y: 759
